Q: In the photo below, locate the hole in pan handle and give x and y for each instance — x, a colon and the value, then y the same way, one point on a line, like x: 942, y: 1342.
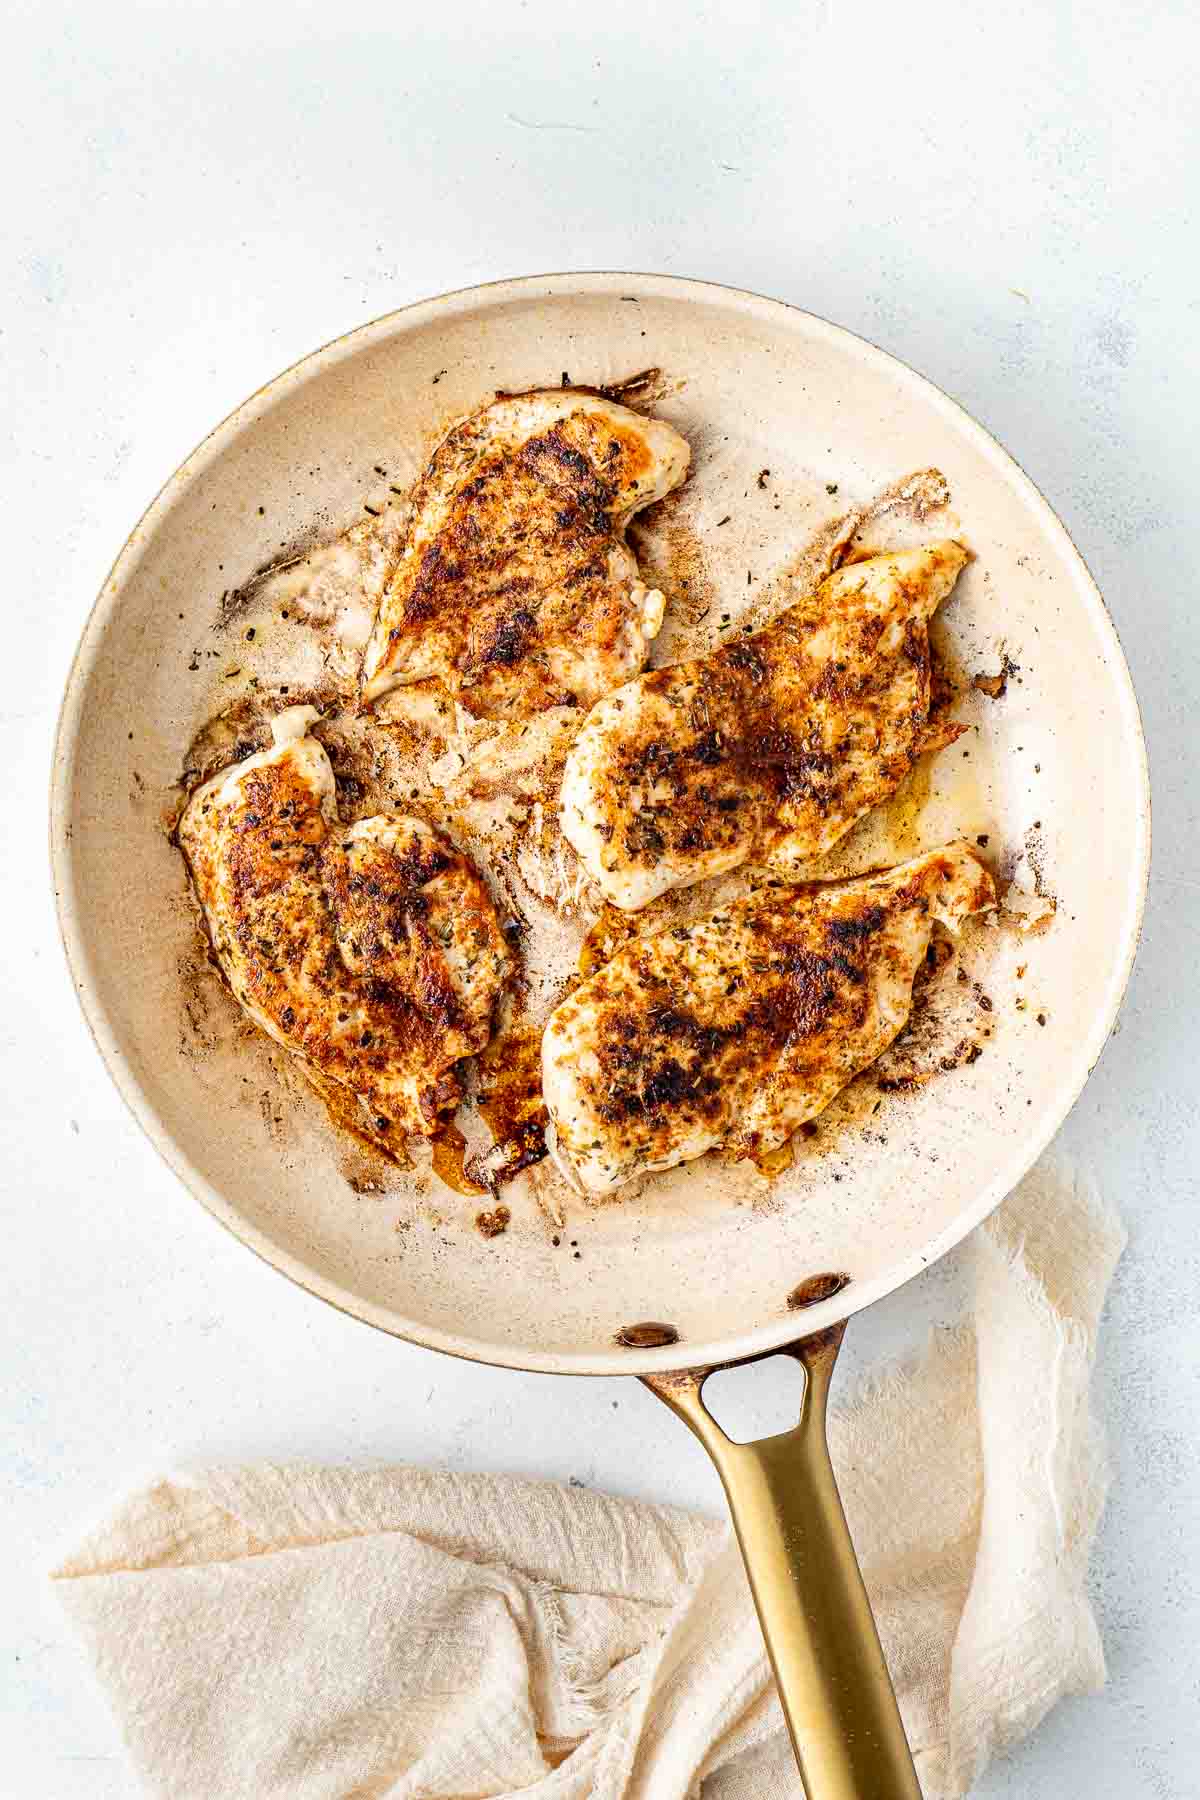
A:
x: 816, y: 1618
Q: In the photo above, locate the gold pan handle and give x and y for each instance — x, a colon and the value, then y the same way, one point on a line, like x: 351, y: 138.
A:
x: 816, y: 1618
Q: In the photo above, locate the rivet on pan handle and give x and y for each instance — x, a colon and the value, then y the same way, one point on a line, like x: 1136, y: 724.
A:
x: 816, y: 1618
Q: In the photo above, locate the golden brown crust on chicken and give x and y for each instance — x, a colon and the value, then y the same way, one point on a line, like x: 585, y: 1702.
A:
x: 735, y: 1029
x: 771, y: 746
x: 372, y: 952
x: 515, y: 589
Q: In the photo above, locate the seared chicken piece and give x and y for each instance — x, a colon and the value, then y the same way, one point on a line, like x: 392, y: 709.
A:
x: 372, y: 951
x: 515, y: 588
x: 771, y: 746
x: 736, y: 1029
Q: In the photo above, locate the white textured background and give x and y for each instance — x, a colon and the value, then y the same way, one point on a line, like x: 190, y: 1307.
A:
x: 195, y: 196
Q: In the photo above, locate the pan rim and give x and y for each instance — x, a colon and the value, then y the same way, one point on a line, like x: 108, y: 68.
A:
x: 758, y: 1340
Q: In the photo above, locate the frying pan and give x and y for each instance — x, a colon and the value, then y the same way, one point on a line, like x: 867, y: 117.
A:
x: 789, y: 418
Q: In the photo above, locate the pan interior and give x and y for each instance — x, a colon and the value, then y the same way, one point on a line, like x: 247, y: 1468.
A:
x: 780, y: 409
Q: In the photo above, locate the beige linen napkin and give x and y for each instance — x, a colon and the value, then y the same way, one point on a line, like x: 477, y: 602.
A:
x: 321, y: 1633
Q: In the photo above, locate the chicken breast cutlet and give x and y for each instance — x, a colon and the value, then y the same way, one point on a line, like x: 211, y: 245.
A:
x: 735, y: 1029
x: 771, y: 746
x: 515, y: 589
x: 371, y: 951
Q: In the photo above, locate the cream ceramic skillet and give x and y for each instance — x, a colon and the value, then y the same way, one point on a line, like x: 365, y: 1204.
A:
x: 790, y: 418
